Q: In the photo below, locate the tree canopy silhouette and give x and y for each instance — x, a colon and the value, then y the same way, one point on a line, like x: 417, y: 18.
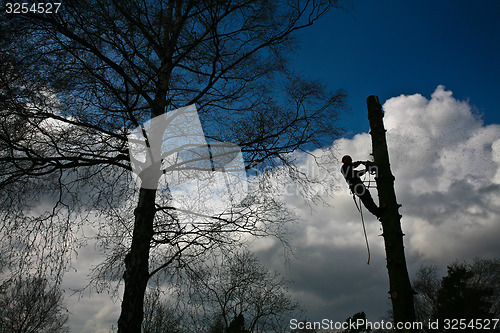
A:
x: 468, y: 294
x: 75, y: 83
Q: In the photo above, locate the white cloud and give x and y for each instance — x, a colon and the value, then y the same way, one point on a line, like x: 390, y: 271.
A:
x: 446, y: 163
x: 89, y: 311
x: 434, y: 142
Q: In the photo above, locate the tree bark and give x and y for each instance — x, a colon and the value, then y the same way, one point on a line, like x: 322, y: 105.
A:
x: 401, y: 292
x: 136, y: 274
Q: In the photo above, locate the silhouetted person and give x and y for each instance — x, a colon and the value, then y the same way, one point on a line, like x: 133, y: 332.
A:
x: 356, y: 185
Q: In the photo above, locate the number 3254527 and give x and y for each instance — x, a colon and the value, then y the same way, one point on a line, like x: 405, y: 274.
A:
x: 36, y: 8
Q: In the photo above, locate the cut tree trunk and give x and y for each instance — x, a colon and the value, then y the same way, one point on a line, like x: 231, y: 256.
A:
x: 401, y: 292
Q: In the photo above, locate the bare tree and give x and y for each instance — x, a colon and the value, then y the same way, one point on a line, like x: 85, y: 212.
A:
x: 159, y: 316
x: 426, y: 285
x: 80, y: 80
x: 233, y: 292
x: 31, y: 305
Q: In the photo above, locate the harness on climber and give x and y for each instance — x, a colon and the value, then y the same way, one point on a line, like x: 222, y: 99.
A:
x: 356, y: 185
x: 360, y: 189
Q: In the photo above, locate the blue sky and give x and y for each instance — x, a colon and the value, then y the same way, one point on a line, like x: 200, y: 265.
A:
x: 388, y: 48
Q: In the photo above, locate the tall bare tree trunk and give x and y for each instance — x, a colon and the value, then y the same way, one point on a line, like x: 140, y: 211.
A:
x: 400, y: 287
x: 136, y: 274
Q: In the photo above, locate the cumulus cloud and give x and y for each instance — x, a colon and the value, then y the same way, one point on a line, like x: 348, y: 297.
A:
x: 446, y: 164
x: 447, y: 167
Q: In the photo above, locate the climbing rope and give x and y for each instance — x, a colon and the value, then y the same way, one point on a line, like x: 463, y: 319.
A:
x: 359, y: 207
x: 364, y: 227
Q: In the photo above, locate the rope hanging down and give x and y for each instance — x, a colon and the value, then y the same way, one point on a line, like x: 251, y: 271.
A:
x: 364, y: 227
x: 359, y: 207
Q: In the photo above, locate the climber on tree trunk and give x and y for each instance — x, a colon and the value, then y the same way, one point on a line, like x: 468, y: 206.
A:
x: 356, y: 185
